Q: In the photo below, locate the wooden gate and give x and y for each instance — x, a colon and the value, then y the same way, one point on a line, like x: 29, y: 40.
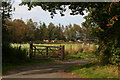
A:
x: 48, y: 51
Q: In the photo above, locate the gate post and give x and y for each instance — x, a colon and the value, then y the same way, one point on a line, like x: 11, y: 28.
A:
x: 63, y: 52
x: 47, y: 51
x: 31, y: 50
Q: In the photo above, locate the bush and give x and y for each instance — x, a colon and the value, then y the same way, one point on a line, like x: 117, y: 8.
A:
x: 109, y: 55
x: 12, y: 55
x: 115, y: 56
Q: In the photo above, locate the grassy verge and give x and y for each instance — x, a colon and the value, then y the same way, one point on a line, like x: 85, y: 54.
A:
x: 94, y: 70
x: 8, y: 67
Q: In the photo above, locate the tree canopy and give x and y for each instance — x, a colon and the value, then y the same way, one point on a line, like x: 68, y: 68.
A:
x: 19, y: 31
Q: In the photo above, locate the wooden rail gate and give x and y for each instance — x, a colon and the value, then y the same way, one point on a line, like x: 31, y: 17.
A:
x: 48, y: 51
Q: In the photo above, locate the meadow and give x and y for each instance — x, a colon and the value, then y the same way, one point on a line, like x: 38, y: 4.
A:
x: 73, y: 51
x: 69, y: 48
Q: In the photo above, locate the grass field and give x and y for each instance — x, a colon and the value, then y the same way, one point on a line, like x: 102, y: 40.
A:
x: 69, y: 48
x: 72, y: 51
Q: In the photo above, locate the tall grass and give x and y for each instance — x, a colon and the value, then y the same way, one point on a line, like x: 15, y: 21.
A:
x: 23, y: 46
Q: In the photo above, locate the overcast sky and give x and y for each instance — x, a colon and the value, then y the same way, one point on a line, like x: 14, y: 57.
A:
x: 39, y: 15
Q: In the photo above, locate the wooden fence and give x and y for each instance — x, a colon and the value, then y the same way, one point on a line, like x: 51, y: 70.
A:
x: 49, y: 51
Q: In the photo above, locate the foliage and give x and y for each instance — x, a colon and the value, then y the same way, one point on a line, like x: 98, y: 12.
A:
x: 20, y: 32
x: 6, y: 14
x: 13, y: 55
x: 106, y: 30
x: 76, y: 8
x: 31, y: 30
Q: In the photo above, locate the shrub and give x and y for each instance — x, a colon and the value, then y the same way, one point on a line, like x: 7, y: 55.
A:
x: 12, y: 55
x: 115, y: 56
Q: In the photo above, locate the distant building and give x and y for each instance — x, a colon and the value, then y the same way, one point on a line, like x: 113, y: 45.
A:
x: 79, y: 41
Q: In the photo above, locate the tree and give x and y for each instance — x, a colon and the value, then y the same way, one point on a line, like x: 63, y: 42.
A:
x: 51, y: 31
x: 73, y: 33
x: 31, y: 30
x: 10, y: 55
x: 37, y: 34
x: 43, y: 32
x: 66, y: 33
x: 104, y: 28
x: 108, y: 35
x: 59, y: 33
x: 78, y: 31
x: 6, y: 14
x: 18, y: 30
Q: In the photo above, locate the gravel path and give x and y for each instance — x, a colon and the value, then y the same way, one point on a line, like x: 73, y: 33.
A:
x: 51, y: 70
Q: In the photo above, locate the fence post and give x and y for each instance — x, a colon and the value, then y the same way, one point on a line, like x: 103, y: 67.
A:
x: 47, y: 51
x: 63, y: 52
x: 31, y: 50
x: 71, y: 50
x: 20, y: 47
x: 34, y: 51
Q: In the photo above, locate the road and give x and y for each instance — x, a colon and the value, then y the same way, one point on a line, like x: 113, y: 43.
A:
x: 51, y: 70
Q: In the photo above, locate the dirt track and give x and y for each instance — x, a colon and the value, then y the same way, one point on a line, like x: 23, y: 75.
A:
x: 51, y: 70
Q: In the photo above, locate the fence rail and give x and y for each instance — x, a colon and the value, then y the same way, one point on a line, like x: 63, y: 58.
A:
x: 49, y: 51
x: 48, y: 46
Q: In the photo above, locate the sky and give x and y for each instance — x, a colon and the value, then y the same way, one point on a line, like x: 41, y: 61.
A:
x: 39, y: 15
